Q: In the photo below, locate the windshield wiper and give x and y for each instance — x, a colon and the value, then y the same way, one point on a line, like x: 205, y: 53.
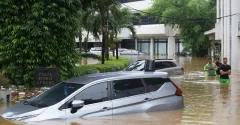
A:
x: 27, y: 102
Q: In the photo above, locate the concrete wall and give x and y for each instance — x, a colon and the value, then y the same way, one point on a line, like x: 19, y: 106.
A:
x: 235, y: 55
x: 4, y: 94
x: 226, y: 30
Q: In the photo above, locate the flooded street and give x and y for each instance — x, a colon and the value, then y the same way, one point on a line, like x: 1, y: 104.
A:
x: 206, y: 102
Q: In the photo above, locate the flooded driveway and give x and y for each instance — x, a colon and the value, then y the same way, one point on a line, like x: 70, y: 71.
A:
x: 206, y: 102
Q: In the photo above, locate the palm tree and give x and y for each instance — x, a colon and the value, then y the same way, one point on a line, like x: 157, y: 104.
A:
x: 105, y: 16
x: 123, y: 20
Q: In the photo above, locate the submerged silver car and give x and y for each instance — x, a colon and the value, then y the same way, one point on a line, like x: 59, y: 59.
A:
x: 101, y: 94
x: 170, y: 66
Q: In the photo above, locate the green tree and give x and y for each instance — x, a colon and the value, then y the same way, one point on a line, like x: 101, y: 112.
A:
x: 38, y: 33
x: 98, y: 17
x: 108, y: 18
x: 193, y: 17
x: 124, y: 20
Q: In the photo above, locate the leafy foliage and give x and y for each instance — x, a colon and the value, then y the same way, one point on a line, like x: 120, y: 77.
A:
x: 110, y: 66
x: 90, y: 55
x: 193, y: 17
x: 95, y: 19
x: 37, y: 33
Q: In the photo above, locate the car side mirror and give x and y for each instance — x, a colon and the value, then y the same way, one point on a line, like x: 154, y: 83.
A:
x: 76, y: 104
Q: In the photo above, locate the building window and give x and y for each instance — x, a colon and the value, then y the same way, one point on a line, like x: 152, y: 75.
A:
x: 144, y: 46
x: 177, y: 46
x: 160, y: 47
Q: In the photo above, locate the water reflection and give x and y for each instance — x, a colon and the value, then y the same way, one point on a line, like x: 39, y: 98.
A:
x: 206, y: 102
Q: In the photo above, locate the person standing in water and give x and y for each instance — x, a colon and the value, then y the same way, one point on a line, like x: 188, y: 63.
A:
x: 210, y: 68
x: 218, y: 64
x: 225, y: 71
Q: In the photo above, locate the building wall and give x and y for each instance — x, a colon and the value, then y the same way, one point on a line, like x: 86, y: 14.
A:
x: 235, y: 39
x: 152, y: 38
x: 227, y: 30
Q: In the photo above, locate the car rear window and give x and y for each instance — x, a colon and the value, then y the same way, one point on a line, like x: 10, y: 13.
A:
x: 164, y: 64
x: 153, y: 84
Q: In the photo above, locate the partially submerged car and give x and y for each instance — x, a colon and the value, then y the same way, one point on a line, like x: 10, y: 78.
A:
x: 131, y: 52
x: 101, y: 94
x: 170, y: 66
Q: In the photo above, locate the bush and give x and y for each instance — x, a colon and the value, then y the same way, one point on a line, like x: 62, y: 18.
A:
x: 110, y: 66
x: 90, y: 55
x: 44, y: 36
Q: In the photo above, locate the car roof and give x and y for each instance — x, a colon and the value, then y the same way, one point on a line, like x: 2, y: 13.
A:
x: 159, y: 60
x: 116, y: 75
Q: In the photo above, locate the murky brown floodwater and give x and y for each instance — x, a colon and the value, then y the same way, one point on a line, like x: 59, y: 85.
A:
x: 206, y: 103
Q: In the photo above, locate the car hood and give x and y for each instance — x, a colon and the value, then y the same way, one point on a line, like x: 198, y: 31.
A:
x: 21, y: 109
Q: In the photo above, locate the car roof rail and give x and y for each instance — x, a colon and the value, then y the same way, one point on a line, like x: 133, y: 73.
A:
x: 163, y: 59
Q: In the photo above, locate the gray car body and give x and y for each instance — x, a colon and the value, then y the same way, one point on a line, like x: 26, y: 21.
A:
x: 162, y: 99
x: 172, y: 71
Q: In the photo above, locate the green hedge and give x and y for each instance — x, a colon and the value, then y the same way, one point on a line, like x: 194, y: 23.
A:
x: 90, y: 55
x: 110, y: 66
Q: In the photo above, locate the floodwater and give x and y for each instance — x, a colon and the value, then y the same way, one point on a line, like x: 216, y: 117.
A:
x: 206, y: 102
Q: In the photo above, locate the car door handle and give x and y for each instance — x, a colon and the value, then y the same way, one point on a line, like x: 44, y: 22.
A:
x: 147, y: 99
x: 106, y: 109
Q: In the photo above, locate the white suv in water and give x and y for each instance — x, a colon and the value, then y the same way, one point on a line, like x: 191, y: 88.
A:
x: 101, y: 94
x: 170, y: 66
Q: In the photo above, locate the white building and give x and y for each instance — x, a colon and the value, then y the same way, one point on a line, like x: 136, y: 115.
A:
x: 227, y: 31
x: 151, y: 37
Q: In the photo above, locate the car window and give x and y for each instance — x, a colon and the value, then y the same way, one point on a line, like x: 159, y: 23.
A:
x: 153, y: 84
x: 137, y: 66
x: 55, y: 94
x: 164, y: 64
x: 126, y: 88
x: 94, y: 94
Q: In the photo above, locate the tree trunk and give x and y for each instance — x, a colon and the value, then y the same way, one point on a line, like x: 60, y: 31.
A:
x: 86, y: 40
x: 103, y: 39
x: 107, y: 37
x: 117, y: 50
x: 80, y: 41
x: 113, y: 51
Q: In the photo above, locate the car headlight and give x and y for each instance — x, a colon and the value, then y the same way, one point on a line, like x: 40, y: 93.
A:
x: 23, y: 118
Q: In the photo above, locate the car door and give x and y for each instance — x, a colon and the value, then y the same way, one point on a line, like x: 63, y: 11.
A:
x: 96, y: 102
x: 129, y: 96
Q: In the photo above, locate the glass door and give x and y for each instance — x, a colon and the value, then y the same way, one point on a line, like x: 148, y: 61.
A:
x: 160, y: 47
x: 144, y: 46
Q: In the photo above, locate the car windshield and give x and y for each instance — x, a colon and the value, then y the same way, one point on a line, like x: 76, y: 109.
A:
x: 55, y: 94
x: 137, y: 66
